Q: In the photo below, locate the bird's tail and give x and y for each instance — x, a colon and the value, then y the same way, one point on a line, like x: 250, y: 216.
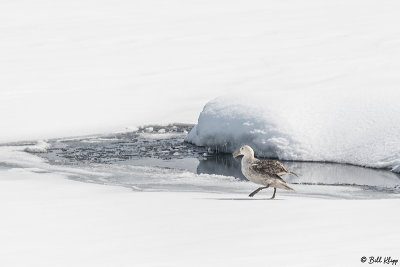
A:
x: 287, y: 187
x: 293, y: 173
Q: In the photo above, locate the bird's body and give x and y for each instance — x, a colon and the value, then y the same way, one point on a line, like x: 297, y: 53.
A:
x: 262, y: 172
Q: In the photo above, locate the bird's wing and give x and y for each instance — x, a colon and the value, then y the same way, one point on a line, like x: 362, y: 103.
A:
x: 272, y: 167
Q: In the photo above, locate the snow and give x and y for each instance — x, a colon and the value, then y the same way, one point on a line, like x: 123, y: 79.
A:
x: 396, y: 169
x: 40, y: 147
x: 307, y: 125
x: 46, y: 214
x: 102, y: 226
x: 60, y: 222
x: 160, y: 136
x: 80, y: 67
x: 149, y: 129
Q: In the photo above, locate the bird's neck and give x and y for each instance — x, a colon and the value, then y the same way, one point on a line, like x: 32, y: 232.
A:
x: 248, y: 157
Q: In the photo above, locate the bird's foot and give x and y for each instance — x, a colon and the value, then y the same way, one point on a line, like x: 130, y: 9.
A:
x: 273, y: 196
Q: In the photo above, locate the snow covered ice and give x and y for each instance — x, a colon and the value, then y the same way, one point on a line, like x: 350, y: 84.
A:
x: 340, y: 126
x: 299, y: 80
x: 178, y: 215
x: 40, y: 147
x: 74, y: 68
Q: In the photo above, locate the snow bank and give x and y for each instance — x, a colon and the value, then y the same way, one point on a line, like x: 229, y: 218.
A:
x: 357, y: 127
x: 40, y: 147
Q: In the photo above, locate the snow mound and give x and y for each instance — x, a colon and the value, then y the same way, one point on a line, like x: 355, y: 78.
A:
x: 354, y: 127
x: 40, y: 147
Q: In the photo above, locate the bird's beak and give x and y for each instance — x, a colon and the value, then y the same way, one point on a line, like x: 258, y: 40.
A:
x: 237, y: 153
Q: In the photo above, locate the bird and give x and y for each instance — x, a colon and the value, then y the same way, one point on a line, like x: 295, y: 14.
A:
x: 263, y: 172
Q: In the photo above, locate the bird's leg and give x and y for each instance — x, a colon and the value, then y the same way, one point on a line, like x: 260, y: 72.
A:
x: 273, y: 196
x: 258, y: 190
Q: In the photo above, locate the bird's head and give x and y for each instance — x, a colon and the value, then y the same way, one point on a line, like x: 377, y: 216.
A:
x: 245, y: 151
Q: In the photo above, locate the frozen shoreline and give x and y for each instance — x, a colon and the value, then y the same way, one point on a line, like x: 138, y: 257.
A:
x: 145, y: 161
x: 60, y: 222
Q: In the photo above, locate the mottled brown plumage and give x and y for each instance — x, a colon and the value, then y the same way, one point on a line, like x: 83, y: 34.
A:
x: 263, y: 172
x: 270, y: 167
